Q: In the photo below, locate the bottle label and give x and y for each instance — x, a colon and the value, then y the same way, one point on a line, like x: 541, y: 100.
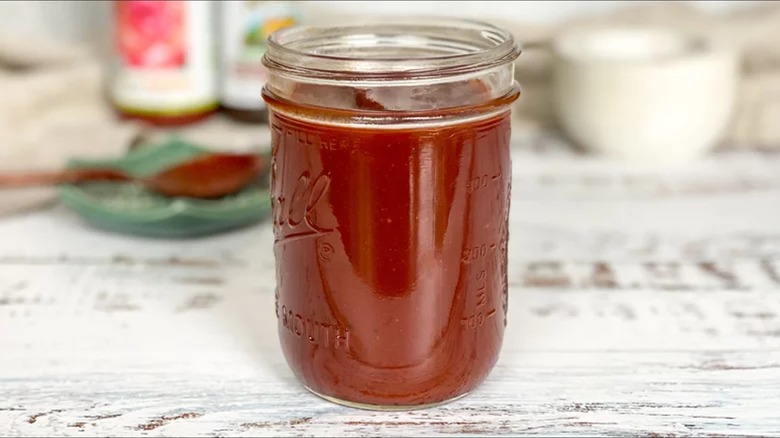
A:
x: 245, y: 26
x: 164, y: 57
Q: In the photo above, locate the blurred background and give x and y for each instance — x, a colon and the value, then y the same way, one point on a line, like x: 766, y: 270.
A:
x: 631, y: 81
x: 89, y: 21
x: 644, y: 257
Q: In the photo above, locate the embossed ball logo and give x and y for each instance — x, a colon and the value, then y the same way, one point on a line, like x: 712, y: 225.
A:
x: 294, y: 213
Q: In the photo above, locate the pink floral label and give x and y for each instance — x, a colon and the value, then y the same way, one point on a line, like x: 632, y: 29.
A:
x: 152, y: 33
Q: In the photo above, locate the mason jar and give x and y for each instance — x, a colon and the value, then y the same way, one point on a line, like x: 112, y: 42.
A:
x: 390, y: 182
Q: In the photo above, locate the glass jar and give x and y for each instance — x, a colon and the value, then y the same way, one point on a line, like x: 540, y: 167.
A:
x: 390, y: 183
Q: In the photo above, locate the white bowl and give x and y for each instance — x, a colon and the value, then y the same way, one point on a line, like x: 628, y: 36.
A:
x: 648, y: 94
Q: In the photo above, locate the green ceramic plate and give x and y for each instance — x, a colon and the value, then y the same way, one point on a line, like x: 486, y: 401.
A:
x: 130, y: 208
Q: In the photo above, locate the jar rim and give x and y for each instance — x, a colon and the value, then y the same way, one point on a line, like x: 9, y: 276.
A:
x: 406, y: 48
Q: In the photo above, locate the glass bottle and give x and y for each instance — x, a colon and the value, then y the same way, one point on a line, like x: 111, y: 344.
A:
x: 244, y: 29
x: 164, y: 66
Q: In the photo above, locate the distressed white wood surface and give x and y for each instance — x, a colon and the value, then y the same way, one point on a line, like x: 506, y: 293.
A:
x: 641, y: 302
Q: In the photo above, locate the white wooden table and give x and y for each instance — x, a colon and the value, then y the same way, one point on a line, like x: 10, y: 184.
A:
x: 641, y: 303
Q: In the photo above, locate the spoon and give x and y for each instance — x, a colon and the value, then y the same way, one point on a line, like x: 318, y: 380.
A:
x: 206, y: 176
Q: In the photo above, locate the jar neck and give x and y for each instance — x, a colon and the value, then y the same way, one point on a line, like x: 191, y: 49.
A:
x: 429, y: 70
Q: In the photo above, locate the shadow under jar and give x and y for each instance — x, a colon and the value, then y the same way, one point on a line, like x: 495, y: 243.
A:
x: 390, y: 183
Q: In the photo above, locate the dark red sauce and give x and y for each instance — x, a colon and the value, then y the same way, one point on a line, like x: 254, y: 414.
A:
x: 391, y: 255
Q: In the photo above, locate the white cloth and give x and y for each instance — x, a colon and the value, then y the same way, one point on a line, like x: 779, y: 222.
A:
x: 52, y: 108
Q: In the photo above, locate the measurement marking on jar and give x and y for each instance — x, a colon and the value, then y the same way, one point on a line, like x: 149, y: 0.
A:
x: 480, y: 182
x: 478, y: 319
x: 481, y: 291
x: 481, y: 297
x: 471, y: 254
